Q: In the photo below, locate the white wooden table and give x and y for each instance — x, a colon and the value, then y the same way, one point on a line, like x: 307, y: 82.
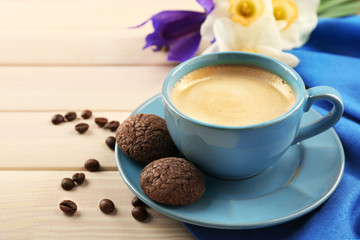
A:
x: 59, y: 56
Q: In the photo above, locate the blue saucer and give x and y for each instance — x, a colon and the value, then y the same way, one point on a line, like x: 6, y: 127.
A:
x: 300, y: 181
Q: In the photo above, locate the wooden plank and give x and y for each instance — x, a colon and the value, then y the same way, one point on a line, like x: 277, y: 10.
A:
x: 76, y: 47
x: 80, y: 32
x: 79, y: 47
x: 65, y: 88
x: 94, y: 32
x: 29, y: 209
x: 75, y: 14
x: 29, y: 141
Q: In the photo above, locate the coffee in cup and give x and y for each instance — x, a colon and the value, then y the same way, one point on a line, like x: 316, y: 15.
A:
x: 232, y: 95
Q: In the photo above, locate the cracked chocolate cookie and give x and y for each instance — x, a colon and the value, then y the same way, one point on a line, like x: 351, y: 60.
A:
x: 145, y: 138
x: 172, y: 181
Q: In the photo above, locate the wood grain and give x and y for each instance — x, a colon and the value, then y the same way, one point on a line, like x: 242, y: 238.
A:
x: 94, y: 32
x: 29, y: 209
x: 29, y: 141
x: 91, y: 14
x: 79, y: 47
x: 63, y: 88
x: 76, y: 47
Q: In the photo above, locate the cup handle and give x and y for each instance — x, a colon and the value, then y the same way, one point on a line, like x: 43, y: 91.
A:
x: 316, y: 94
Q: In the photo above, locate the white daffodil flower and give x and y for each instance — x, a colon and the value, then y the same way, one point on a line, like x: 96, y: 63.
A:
x: 296, y: 19
x: 248, y: 25
x: 244, y: 12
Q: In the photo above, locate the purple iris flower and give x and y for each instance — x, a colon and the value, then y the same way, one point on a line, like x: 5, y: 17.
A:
x: 178, y: 31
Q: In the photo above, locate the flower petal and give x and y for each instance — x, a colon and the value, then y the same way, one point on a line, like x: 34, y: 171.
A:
x: 208, y: 5
x: 169, y: 26
x: 185, y: 48
x: 212, y: 48
x: 234, y: 36
x: 221, y: 9
x: 226, y: 35
x: 190, y: 23
x: 298, y: 32
x: 153, y: 39
x: 287, y: 58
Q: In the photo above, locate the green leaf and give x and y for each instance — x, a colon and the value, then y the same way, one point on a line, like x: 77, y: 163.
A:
x: 340, y: 10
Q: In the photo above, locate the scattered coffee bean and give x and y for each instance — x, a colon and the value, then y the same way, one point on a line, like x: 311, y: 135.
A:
x: 137, y: 202
x: 57, y: 119
x: 92, y: 165
x: 79, y: 178
x: 112, y: 125
x: 67, y: 184
x: 106, y: 206
x: 101, y: 121
x: 81, y: 127
x: 68, y: 207
x: 86, y: 114
x: 110, y: 142
x: 139, y: 213
x: 70, y: 116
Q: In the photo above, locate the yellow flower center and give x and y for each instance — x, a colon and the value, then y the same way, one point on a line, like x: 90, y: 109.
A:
x: 249, y: 50
x: 285, y: 10
x: 279, y: 13
x: 246, y: 11
x: 245, y: 8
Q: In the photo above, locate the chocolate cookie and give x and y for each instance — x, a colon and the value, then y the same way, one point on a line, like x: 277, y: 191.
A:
x: 172, y: 181
x: 145, y: 138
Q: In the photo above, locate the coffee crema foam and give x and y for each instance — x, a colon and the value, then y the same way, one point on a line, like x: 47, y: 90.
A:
x: 232, y: 95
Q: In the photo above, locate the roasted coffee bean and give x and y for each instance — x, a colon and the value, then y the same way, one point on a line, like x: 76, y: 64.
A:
x: 106, y: 206
x: 81, y: 127
x: 110, y: 142
x: 139, y: 213
x: 92, y: 165
x: 137, y: 202
x: 57, y: 119
x: 79, y: 178
x: 70, y: 116
x: 86, y: 114
x: 68, y: 207
x: 67, y: 184
x: 101, y: 121
x: 112, y: 125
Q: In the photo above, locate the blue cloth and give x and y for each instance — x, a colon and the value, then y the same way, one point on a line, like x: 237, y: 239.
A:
x: 331, y: 57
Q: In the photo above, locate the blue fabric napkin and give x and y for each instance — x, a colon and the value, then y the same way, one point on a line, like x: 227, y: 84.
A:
x: 331, y: 57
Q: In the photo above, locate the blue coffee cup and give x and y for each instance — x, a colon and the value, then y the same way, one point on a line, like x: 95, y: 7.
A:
x: 236, y: 152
